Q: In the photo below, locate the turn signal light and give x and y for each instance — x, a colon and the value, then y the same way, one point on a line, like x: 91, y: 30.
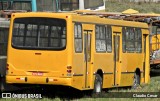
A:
x: 69, y: 67
x: 69, y: 71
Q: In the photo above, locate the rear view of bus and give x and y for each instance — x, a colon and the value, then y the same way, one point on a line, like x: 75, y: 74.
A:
x: 37, y: 49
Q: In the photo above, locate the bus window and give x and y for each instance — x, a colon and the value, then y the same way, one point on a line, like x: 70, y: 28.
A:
x: 138, y: 40
x: 158, y: 30
x: 100, y: 38
x: 21, y: 5
x: 154, y: 30
x: 49, y: 35
x: 69, y: 5
x: 46, y: 5
x: 130, y: 45
x: 103, y: 38
x: 124, y: 39
x: 78, y: 38
x: 109, y: 38
x: 93, y: 3
x: 52, y: 5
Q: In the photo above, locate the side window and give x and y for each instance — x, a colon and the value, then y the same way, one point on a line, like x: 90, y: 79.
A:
x: 132, y: 40
x: 130, y: 46
x: 109, y: 38
x: 138, y: 40
x: 100, y: 38
x: 78, y: 38
x: 124, y: 39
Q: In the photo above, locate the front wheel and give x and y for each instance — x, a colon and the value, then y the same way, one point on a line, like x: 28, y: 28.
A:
x: 97, y: 84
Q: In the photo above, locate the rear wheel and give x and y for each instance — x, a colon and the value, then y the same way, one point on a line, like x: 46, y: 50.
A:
x: 136, y: 80
x: 97, y: 84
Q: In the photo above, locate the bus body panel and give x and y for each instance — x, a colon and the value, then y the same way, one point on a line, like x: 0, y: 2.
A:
x: 78, y: 69
x: 146, y: 45
x: 46, y: 63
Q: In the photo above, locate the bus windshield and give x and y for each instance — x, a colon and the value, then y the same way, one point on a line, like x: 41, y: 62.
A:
x: 39, y: 33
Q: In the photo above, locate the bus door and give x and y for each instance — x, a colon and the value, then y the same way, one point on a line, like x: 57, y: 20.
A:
x: 144, y: 50
x: 87, y: 56
x: 146, y: 56
x: 117, y: 61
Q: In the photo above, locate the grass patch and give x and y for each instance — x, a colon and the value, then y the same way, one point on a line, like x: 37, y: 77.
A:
x: 154, y: 86
x: 114, y: 6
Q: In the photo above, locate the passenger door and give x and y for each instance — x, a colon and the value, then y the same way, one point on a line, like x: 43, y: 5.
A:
x: 87, y: 32
x: 87, y: 55
x: 117, y: 61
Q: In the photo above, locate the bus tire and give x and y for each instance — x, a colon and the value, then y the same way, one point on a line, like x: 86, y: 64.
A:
x: 97, y: 84
x: 136, y: 80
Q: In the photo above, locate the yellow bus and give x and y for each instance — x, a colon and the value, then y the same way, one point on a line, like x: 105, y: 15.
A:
x: 155, y: 48
x: 77, y: 50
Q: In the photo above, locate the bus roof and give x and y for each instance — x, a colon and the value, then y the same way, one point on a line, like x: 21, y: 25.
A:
x: 129, y: 15
x: 84, y: 18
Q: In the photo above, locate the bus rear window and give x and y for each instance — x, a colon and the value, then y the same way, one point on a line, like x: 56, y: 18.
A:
x: 39, y: 33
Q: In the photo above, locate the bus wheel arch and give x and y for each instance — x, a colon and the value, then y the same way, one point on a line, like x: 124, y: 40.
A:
x: 98, y: 82
x: 136, y: 78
